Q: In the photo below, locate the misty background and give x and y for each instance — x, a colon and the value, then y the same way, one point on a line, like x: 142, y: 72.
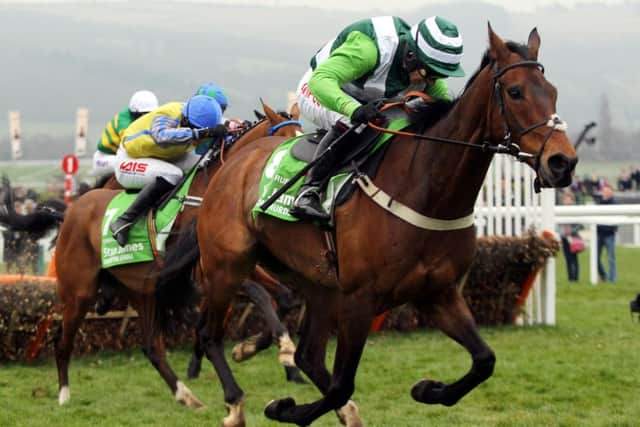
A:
x: 57, y: 57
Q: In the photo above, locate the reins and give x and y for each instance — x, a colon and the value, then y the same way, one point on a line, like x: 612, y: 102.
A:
x: 507, y: 145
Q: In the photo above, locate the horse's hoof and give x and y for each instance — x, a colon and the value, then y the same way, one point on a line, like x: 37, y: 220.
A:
x: 186, y: 397
x: 193, y: 371
x: 431, y: 392
x: 64, y: 395
x: 235, y: 415
x: 274, y: 409
x: 294, y: 376
x: 349, y: 416
x: 287, y: 351
x: 243, y: 351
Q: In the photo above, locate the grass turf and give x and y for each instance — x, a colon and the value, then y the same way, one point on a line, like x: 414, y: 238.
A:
x: 585, y: 371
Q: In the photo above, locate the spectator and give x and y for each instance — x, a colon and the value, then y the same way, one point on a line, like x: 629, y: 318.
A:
x: 624, y: 181
x: 567, y: 233
x: 635, y: 176
x: 607, y: 238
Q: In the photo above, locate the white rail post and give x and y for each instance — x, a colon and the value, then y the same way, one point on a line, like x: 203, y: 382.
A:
x: 548, y: 273
x: 593, y: 254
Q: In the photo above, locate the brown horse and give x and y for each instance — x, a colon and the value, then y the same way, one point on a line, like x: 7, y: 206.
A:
x: 79, y: 269
x: 383, y: 260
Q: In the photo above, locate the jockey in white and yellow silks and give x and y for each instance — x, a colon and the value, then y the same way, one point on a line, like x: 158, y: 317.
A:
x: 157, y: 149
x: 380, y: 57
x: 104, y: 158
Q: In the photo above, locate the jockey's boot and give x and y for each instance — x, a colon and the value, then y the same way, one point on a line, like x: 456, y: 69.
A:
x: 145, y: 200
x: 307, y: 204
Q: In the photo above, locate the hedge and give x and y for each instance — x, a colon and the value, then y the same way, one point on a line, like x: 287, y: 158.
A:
x: 502, y: 268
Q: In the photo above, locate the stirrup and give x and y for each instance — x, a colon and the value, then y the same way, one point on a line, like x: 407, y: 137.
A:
x: 303, y: 193
x: 120, y: 229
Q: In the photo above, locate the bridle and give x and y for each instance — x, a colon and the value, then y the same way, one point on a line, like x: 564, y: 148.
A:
x: 507, y: 145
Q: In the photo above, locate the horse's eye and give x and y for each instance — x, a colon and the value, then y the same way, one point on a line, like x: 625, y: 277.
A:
x: 515, y: 92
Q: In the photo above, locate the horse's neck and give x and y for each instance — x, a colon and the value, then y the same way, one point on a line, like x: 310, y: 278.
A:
x: 203, y: 175
x: 443, y: 180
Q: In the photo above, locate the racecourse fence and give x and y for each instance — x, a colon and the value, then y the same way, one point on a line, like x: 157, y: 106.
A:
x: 508, y: 206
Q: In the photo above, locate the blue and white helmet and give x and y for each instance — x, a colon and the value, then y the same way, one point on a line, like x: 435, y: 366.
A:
x: 215, y: 92
x: 202, y: 111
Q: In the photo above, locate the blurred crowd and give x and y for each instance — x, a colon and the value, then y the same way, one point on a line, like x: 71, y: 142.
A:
x: 20, y: 252
x: 589, y: 187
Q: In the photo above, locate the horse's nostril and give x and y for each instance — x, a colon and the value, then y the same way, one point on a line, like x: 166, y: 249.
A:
x: 561, y: 164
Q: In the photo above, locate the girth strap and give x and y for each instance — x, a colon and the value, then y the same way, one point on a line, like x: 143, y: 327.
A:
x: 406, y: 213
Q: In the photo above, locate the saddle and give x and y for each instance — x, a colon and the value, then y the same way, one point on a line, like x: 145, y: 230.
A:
x: 361, y: 158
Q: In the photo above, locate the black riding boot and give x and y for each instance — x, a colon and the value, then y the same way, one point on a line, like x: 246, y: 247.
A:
x: 145, y: 200
x: 307, y: 204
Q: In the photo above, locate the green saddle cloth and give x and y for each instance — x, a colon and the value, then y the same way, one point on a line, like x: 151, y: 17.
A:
x: 138, y: 247
x: 282, y: 166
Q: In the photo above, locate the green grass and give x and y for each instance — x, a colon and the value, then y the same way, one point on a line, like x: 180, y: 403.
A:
x: 583, y: 372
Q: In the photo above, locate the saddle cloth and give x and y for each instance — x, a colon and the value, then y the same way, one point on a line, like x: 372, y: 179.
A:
x: 144, y: 241
x: 295, y: 153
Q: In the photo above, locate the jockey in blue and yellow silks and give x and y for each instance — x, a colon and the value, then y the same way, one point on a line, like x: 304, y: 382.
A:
x: 157, y: 149
x: 104, y: 158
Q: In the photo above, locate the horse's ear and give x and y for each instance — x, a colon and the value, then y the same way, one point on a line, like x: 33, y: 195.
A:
x: 272, y: 115
x: 294, y: 110
x: 259, y: 115
x: 533, y: 44
x: 497, y: 48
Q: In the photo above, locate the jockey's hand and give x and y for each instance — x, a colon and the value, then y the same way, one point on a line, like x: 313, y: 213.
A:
x: 368, y: 112
x: 218, y: 131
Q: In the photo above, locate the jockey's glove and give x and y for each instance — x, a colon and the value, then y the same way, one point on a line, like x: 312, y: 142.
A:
x: 218, y: 131
x: 368, y: 112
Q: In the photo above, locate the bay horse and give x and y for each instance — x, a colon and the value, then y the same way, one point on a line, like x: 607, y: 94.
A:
x: 383, y: 260
x: 79, y: 268
x: 262, y: 290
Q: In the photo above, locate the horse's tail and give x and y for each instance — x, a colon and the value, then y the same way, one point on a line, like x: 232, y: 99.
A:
x: 47, y: 215
x: 176, y: 292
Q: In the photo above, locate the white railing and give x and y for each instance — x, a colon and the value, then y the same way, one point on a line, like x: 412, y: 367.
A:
x: 591, y: 216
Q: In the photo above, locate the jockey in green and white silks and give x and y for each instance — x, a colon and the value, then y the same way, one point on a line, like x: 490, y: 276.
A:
x: 380, y: 57
x: 368, y: 61
x: 104, y: 158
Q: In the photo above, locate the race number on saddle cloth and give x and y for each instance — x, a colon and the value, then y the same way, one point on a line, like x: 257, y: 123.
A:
x: 146, y: 239
x: 283, y: 165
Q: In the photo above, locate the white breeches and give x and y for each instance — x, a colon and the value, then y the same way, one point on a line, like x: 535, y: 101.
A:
x: 135, y: 173
x: 103, y: 163
x: 311, y: 108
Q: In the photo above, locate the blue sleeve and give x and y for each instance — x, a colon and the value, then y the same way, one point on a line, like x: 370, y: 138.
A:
x: 165, y: 132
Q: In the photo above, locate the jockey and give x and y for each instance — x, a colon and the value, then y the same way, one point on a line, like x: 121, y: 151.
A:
x: 215, y: 92
x: 380, y: 57
x: 158, y: 148
x: 104, y: 158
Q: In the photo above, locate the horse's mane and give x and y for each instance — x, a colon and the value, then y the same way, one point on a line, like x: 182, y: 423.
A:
x: 514, y: 47
x: 428, y: 114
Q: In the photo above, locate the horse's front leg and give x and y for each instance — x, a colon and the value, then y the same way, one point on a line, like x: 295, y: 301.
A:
x: 451, y: 315
x: 354, y: 321
x: 261, y: 298
x: 211, y: 342
x: 195, y: 364
x: 153, y: 348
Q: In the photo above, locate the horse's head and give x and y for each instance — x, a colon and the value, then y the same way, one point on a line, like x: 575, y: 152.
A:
x: 524, y: 111
x: 283, y: 123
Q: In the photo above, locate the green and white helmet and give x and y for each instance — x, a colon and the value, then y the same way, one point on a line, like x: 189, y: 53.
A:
x: 439, y: 45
